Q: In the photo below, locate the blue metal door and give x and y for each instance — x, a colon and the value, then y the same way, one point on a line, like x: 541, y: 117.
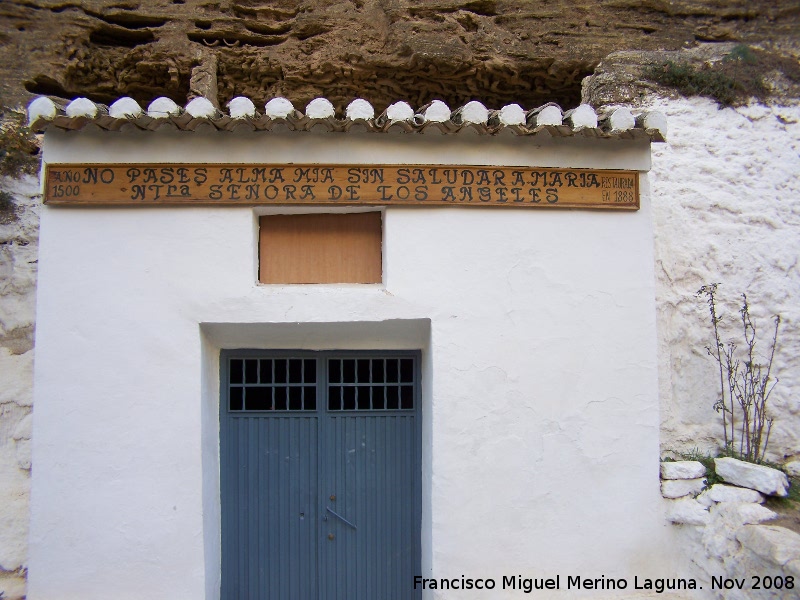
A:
x: 320, y: 475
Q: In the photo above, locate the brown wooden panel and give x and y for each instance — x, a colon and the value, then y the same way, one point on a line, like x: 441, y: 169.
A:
x: 342, y: 185
x: 320, y: 248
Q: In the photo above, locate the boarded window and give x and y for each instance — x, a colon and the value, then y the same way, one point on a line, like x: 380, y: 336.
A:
x: 320, y: 248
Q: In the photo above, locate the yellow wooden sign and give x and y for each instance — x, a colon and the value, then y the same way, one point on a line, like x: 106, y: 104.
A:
x: 342, y: 185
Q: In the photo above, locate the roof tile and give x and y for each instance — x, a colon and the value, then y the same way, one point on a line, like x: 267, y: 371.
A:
x: 436, y: 117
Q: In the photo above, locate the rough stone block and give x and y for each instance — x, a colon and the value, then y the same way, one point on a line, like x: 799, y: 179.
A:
x: 718, y: 538
x: 687, y: 511
x: 677, y: 488
x: 12, y: 584
x: 736, y: 514
x: 682, y: 469
x: 728, y: 493
x: 775, y: 544
x: 705, y: 500
x: 757, y: 477
x: 793, y: 568
x: 793, y: 468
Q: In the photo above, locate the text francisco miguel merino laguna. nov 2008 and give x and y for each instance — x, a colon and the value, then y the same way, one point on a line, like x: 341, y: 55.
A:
x: 557, y: 582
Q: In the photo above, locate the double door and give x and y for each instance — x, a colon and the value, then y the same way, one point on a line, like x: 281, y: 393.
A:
x: 320, y: 475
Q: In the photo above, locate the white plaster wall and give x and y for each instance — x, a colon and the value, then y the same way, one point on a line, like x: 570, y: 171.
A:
x: 18, y: 246
x: 726, y: 206
x: 541, y: 424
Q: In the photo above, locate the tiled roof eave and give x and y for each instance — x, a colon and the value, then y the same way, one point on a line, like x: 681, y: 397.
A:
x: 616, y: 123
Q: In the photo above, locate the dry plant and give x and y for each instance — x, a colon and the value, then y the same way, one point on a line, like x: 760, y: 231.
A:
x: 745, y: 383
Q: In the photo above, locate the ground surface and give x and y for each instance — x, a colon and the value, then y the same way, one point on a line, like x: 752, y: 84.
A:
x: 788, y: 514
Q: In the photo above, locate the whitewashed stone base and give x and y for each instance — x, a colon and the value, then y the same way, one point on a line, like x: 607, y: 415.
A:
x: 677, y: 488
x: 729, y: 493
x: 757, y: 477
x: 682, y: 469
x: 727, y: 542
x: 687, y: 511
x: 768, y: 551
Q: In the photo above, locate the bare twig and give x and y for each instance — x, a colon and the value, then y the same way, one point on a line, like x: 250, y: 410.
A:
x: 743, y: 382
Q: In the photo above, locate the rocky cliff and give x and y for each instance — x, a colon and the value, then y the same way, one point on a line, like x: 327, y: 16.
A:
x: 496, y: 51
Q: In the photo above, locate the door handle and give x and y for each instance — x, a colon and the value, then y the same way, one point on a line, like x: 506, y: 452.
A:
x: 340, y: 517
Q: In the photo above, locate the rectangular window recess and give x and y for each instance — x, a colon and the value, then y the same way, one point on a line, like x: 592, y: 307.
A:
x: 321, y: 248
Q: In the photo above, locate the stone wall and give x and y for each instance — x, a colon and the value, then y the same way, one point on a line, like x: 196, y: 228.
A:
x: 725, y: 204
x: 726, y: 534
x: 725, y: 207
x: 19, y: 232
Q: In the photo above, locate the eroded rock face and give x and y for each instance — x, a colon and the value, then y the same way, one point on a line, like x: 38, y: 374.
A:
x: 19, y: 236
x: 496, y: 51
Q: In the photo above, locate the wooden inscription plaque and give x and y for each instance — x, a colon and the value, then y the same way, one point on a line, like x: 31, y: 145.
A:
x: 343, y: 185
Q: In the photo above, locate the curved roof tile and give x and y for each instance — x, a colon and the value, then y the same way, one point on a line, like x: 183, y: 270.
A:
x: 549, y: 120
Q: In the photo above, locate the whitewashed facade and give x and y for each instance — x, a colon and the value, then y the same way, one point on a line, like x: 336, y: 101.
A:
x: 540, y: 418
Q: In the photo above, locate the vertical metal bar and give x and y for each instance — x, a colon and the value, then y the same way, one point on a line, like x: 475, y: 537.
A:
x: 371, y: 565
x: 272, y: 540
x: 389, y: 509
x: 370, y: 384
x: 242, y: 501
x: 252, y: 501
x: 360, y: 502
x: 272, y: 386
x: 263, y: 442
x: 321, y: 489
x: 292, y: 500
x: 406, y: 454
